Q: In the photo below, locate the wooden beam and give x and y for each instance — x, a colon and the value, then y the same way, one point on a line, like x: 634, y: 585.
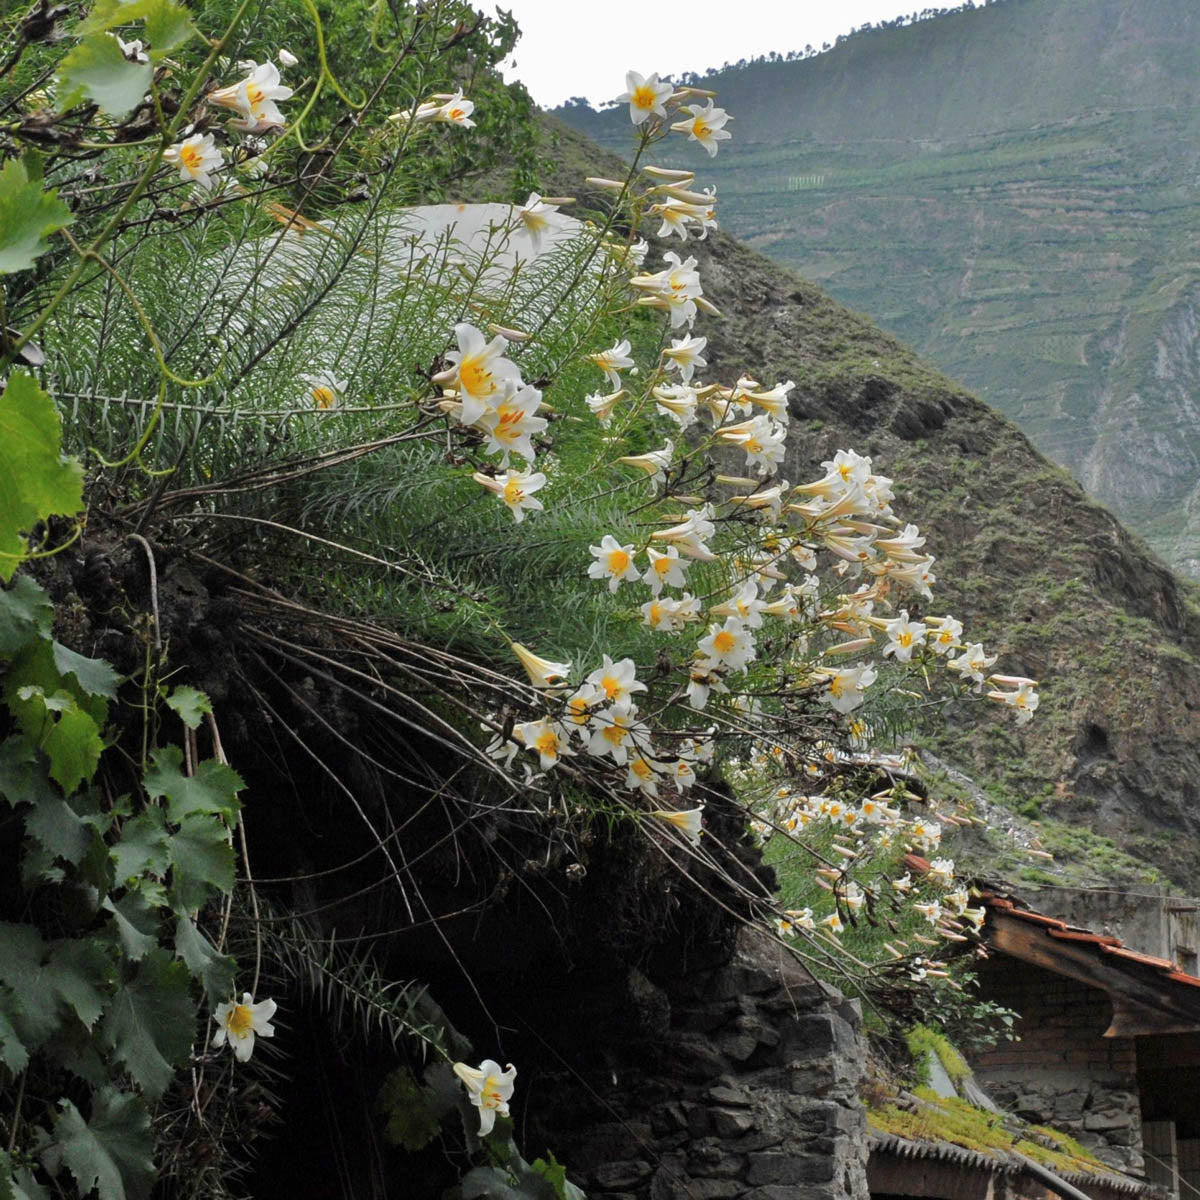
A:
x: 1142, y: 1004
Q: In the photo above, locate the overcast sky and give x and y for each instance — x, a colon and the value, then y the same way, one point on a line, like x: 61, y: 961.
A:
x: 581, y: 48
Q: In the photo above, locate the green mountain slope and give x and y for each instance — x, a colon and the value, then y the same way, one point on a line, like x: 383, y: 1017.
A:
x: 1033, y: 566
x: 1014, y: 191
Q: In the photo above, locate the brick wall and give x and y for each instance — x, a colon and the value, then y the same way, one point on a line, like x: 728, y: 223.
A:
x: 1062, y: 1071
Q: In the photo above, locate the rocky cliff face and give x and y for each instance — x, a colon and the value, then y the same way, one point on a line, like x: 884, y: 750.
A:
x: 1025, y: 558
x: 1012, y: 191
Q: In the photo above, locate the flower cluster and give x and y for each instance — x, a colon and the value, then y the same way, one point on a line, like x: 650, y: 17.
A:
x: 254, y: 98
x: 782, y: 608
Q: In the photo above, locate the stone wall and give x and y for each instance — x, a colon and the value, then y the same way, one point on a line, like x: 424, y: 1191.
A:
x: 1063, y: 1071
x: 746, y: 1091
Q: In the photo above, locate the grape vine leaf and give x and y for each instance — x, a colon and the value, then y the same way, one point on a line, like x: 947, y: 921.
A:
x: 167, y: 24
x: 189, y: 704
x: 96, y: 71
x: 144, y: 847
x: 202, y: 862
x: 135, y: 923
x: 95, y: 676
x: 150, y: 1025
x: 66, y: 734
x: 215, y: 970
x: 212, y: 789
x: 27, y: 216
x: 25, y: 614
x: 113, y: 1152
x: 44, y: 980
x: 36, y: 481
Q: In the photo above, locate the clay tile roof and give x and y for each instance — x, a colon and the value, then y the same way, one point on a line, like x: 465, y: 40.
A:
x: 1015, y: 908
x: 1147, y: 960
x: 1081, y: 935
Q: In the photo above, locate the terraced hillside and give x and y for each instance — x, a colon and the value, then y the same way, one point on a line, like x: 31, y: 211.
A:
x: 1015, y: 192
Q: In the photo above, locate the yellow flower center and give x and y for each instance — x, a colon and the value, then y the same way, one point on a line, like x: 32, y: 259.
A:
x: 643, y: 97
x: 618, y: 562
x: 190, y: 157
x: 547, y: 744
x: 724, y: 641
x: 837, y: 686
x: 643, y: 770
x: 616, y: 734
x: 513, y: 494
x: 508, y: 428
x: 611, y: 686
x: 322, y: 396
x: 656, y: 613
x: 905, y: 639
x: 240, y: 1020
x: 753, y: 446
x: 490, y: 1096
x: 475, y: 378
x: 701, y: 128
x: 662, y: 565
x: 255, y: 96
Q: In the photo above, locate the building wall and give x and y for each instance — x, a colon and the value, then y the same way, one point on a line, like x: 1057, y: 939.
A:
x: 1062, y: 1071
x: 747, y: 1089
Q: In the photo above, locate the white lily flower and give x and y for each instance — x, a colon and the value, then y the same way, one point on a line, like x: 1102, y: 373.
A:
x: 617, y: 681
x: 489, y: 1089
x: 538, y: 217
x: 478, y: 371
x: 847, y: 686
x: 646, y: 97
x: 944, y: 633
x: 613, y: 360
x: 546, y: 738
x: 239, y: 1024
x: 550, y: 676
x: 611, y: 730
x: 972, y: 663
x: 730, y: 645
x: 684, y: 356
x: 614, y: 562
x: 706, y: 126
x: 325, y: 388
x: 666, y: 569
x: 197, y: 157
x: 603, y: 406
x: 254, y: 98
x: 655, y: 462
x: 511, y: 424
x: 904, y: 636
x: 515, y: 488
x: 678, y: 402
x: 688, y: 821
